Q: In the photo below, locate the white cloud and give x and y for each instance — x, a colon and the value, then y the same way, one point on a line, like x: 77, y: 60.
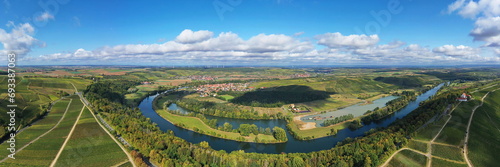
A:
x: 472, y: 9
x: 336, y: 40
x: 272, y: 49
x: 188, y: 36
x: 457, y: 51
x: 45, y: 16
x: 19, y: 40
x: 487, y: 30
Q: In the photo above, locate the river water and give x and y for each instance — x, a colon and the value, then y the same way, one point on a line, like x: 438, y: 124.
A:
x: 293, y: 145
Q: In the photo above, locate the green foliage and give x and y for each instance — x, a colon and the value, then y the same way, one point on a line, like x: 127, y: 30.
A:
x: 279, y: 96
x: 337, y: 120
x: 405, y: 82
x: 280, y: 134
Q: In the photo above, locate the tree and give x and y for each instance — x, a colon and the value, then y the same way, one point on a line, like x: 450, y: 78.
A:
x: 228, y: 127
x: 279, y: 134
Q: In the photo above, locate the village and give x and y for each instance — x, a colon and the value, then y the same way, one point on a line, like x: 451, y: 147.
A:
x: 212, y: 89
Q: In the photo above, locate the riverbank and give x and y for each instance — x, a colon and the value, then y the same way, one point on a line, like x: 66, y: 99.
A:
x: 197, y: 125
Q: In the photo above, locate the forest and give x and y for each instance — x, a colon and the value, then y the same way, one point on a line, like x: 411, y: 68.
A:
x: 279, y: 96
x: 164, y: 148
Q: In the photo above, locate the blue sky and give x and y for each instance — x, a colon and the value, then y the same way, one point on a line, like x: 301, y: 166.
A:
x: 257, y: 32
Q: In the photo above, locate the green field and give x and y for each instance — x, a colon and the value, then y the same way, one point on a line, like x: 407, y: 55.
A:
x: 39, y: 127
x: 90, y: 145
x: 408, y: 158
x: 417, y: 145
x: 439, y: 162
x: 44, y: 150
x: 431, y: 130
x: 227, y: 97
x: 192, y: 123
x: 453, y: 153
x: 484, y: 134
x: 454, y: 132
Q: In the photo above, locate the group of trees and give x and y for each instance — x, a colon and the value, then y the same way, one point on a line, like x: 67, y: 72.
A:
x: 391, y: 107
x: 165, y: 149
x: 279, y: 96
x: 222, y: 110
x: 337, y: 120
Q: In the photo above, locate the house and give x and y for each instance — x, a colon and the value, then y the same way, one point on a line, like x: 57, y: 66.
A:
x: 463, y: 97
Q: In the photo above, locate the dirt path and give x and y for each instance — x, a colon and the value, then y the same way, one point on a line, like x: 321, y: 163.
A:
x: 86, y: 104
x: 34, y: 140
x: 67, y: 139
x: 121, y: 163
x: 429, y: 144
x: 468, y: 127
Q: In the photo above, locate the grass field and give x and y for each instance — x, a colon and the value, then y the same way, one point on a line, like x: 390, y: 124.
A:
x: 485, y: 134
x: 90, y: 145
x: 192, y: 123
x: 417, y: 145
x: 439, y: 162
x: 44, y: 150
x: 317, y: 132
x: 447, y: 152
x: 408, y: 158
x: 227, y: 97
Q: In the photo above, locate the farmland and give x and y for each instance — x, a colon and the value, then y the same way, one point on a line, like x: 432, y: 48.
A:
x: 43, y: 151
x: 90, y: 146
x: 485, y: 133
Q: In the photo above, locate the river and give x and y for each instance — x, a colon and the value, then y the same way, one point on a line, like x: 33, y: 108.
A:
x: 293, y: 145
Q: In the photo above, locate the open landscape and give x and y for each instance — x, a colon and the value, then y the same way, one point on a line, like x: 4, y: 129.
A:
x: 234, y: 83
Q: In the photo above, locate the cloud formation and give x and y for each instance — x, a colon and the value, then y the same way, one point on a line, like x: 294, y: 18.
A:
x: 45, y: 16
x: 20, y: 40
x: 457, y: 51
x: 188, y: 36
x: 336, y: 40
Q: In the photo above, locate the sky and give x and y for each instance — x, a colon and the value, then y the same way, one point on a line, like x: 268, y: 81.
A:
x: 251, y: 32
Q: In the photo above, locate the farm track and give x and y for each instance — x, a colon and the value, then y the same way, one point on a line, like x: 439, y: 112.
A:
x: 67, y: 138
x: 34, y: 140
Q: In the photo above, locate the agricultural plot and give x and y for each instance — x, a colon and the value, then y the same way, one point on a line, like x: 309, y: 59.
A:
x: 431, y: 130
x: 454, y: 132
x: 440, y: 162
x: 484, y: 135
x: 408, y: 158
x: 90, y: 145
x: 39, y: 127
x: 448, y: 152
x: 44, y: 150
x: 417, y: 145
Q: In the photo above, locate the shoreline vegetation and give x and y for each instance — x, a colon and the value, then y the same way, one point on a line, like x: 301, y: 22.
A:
x: 195, y: 124
x: 308, y: 131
